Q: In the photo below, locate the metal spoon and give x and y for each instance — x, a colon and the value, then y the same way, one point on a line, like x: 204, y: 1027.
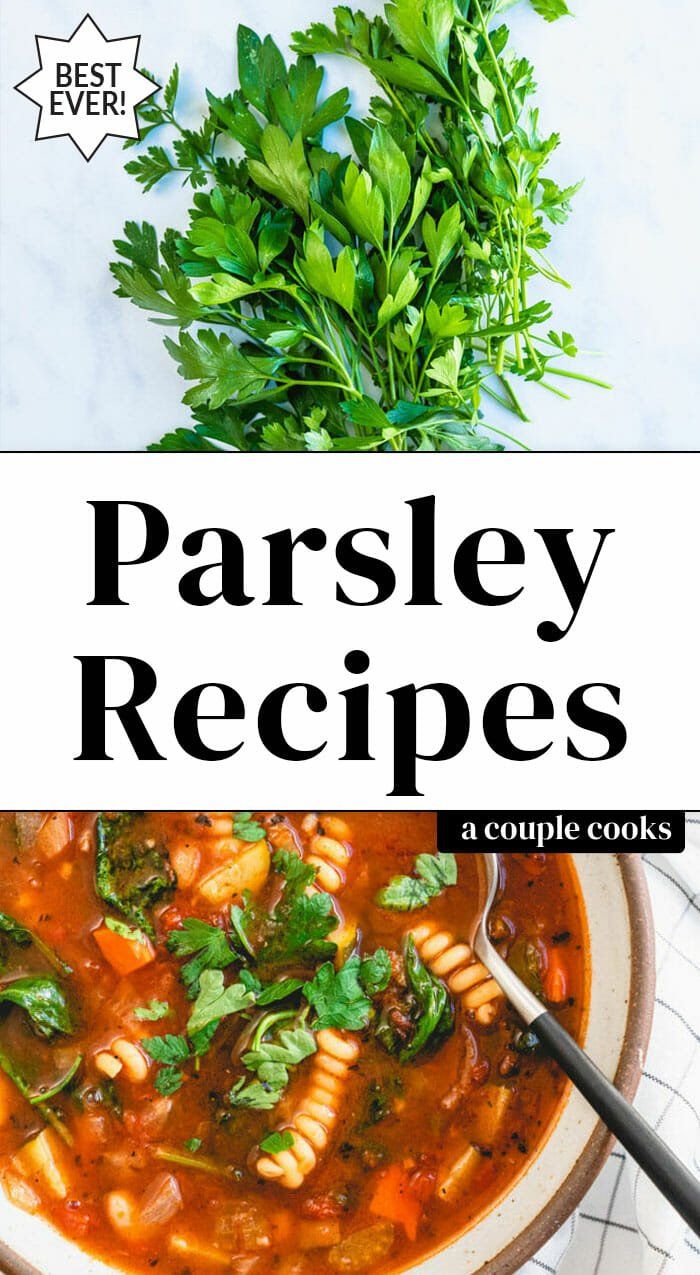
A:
x: 665, y: 1170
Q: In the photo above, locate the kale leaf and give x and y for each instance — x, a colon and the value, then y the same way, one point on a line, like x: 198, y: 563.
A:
x: 132, y: 871
x: 44, y: 1001
x: 12, y: 932
x: 430, y: 1006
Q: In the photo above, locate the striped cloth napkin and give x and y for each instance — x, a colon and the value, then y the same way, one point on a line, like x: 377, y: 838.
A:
x: 623, y: 1223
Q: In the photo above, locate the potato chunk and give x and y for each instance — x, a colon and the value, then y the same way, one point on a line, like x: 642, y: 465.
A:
x: 194, y: 1250
x: 362, y: 1249
x: 247, y: 869
x: 20, y: 1193
x: 40, y: 1162
x: 493, y: 1103
x: 454, y: 1181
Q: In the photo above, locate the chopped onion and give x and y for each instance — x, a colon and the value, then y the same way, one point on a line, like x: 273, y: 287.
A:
x: 161, y: 1200
x: 21, y: 1193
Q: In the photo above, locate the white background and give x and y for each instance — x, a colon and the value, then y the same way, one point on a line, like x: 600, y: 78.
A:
x: 83, y: 370
x: 637, y: 627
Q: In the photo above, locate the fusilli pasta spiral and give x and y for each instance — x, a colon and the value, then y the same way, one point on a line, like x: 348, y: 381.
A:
x: 312, y: 1122
x: 454, y: 962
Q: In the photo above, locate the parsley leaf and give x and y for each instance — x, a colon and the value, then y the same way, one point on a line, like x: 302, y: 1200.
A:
x: 277, y: 1141
x: 413, y: 244
x: 296, y: 872
x: 433, y: 873
x: 192, y: 1144
x: 290, y: 1047
x: 550, y: 10
x: 271, y: 1060
x: 206, y: 944
x: 168, y: 1050
x: 278, y: 991
x: 215, y: 1001
x: 168, y: 1081
x: 375, y: 972
x: 153, y: 1012
x: 246, y: 828
x: 254, y: 1095
x: 341, y: 997
x: 301, y: 922
x: 241, y: 918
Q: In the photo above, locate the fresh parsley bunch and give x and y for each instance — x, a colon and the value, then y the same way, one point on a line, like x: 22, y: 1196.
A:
x: 373, y: 300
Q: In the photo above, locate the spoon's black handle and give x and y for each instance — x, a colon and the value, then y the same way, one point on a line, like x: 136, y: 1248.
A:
x: 666, y: 1171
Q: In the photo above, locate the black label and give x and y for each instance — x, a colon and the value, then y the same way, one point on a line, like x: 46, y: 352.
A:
x: 598, y: 832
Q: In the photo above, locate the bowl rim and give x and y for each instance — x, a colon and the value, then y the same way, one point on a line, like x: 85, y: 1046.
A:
x: 633, y: 1054
x: 601, y: 1142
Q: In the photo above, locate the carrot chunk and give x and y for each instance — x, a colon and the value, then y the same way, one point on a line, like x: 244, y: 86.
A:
x: 125, y: 955
x: 394, y: 1200
x: 555, y: 984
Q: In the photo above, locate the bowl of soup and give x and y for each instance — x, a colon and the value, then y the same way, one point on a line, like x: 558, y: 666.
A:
x: 260, y: 1042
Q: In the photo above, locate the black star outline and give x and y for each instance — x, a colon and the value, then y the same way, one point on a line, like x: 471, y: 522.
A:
x: 115, y: 40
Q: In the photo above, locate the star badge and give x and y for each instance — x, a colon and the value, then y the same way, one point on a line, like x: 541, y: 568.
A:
x: 87, y: 87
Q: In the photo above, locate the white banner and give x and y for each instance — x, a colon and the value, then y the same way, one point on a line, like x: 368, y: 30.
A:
x: 622, y: 682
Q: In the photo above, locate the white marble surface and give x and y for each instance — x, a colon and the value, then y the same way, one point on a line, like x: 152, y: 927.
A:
x: 82, y: 370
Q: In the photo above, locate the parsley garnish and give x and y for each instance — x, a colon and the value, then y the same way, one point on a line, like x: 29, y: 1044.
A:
x: 153, y: 1012
x: 272, y: 992
x: 375, y: 972
x: 271, y: 1059
x: 168, y: 1081
x: 207, y: 945
x: 433, y: 873
x: 215, y: 1001
x: 254, y: 1095
x: 170, y: 1051
x: 246, y: 828
x: 341, y: 998
x: 277, y: 1141
x: 241, y: 919
x: 301, y: 922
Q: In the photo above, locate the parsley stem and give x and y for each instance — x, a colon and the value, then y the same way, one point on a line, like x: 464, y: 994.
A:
x: 205, y: 1164
x: 56, y: 1123
x: 496, y: 65
x: 502, y: 434
x: 268, y: 1021
x: 578, y: 376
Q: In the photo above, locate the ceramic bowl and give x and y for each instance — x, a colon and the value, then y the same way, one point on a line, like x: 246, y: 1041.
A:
x: 621, y: 935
